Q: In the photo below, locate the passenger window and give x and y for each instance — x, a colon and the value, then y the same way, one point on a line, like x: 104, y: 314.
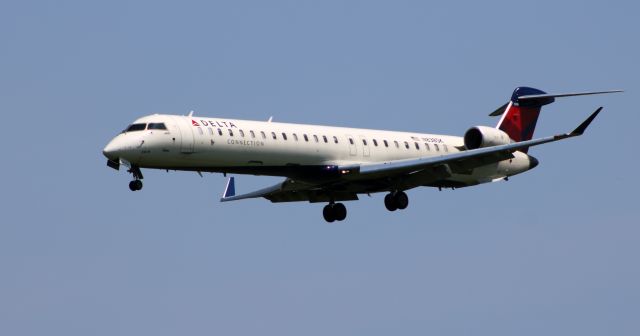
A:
x: 306, y: 138
x: 445, y: 148
x: 335, y: 139
x: 386, y: 144
x: 264, y: 136
x: 426, y: 145
x: 417, y: 146
x: 230, y: 132
x: 351, y: 141
x: 406, y: 145
x: 210, y: 130
x: 253, y: 135
x: 295, y: 137
x: 273, y: 135
x: 315, y: 137
x: 284, y: 136
x: 219, y: 132
x: 324, y: 137
x: 364, y: 142
x: 200, y: 130
x: 375, y: 142
x: 157, y: 126
x: 241, y: 133
x: 436, y: 147
x: 396, y: 143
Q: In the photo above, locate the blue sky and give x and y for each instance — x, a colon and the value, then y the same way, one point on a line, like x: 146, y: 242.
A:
x: 553, y: 251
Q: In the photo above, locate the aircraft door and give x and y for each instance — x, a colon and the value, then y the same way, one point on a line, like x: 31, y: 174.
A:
x: 366, y: 151
x: 187, y: 139
x: 353, y: 150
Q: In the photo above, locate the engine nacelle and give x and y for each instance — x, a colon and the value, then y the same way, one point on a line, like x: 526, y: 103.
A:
x: 483, y: 136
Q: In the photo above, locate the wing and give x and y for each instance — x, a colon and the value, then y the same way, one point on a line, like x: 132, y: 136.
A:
x: 372, y: 177
x: 490, y: 154
x: 291, y: 191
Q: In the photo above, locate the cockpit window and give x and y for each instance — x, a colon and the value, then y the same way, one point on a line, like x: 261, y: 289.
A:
x: 157, y: 126
x: 136, y: 127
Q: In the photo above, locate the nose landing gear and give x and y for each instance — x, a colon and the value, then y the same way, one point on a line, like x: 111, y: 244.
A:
x: 136, y: 184
x: 334, y: 212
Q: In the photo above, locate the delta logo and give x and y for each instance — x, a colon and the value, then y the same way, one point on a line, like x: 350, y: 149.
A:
x: 222, y: 124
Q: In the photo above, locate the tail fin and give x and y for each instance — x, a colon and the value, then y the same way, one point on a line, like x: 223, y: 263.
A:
x: 521, y: 115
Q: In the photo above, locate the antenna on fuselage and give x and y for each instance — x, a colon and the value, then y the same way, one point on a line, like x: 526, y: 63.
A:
x: 270, y: 119
x: 190, y: 113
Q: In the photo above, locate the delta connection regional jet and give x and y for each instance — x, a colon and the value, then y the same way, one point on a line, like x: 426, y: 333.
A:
x: 335, y: 164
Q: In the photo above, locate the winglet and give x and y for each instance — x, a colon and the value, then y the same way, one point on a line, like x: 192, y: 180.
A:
x: 580, y: 129
x: 230, y: 189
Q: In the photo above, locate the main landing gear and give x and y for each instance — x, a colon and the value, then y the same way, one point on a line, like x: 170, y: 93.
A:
x: 136, y: 184
x: 334, y: 212
x: 396, y: 200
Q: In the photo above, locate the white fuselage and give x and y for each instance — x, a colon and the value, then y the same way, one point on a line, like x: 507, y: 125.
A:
x: 270, y: 148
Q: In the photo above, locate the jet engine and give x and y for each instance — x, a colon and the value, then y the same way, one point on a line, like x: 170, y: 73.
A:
x: 483, y: 136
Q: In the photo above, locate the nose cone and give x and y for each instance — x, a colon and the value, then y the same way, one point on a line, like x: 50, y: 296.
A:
x: 111, y: 150
x: 533, y: 162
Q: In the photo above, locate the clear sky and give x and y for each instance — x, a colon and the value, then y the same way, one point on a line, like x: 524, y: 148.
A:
x: 551, y: 252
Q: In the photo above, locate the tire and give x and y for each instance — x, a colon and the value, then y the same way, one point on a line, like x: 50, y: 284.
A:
x: 339, y: 211
x: 402, y: 201
x: 328, y: 213
x: 390, y: 202
x: 138, y: 184
x: 132, y: 186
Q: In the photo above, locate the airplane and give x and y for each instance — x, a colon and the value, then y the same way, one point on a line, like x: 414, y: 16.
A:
x: 336, y: 164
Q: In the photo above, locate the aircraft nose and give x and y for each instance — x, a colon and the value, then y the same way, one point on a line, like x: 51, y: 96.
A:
x: 533, y: 162
x: 111, y: 150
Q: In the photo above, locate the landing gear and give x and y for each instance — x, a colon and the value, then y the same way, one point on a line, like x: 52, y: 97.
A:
x: 334, y: 212
x: 136, y: 184
x: 396, y: 200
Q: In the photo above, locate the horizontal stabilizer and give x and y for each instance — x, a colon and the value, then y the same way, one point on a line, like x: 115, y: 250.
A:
x: 539, y: 99
x: 539, y: 96
x: 499, y: 111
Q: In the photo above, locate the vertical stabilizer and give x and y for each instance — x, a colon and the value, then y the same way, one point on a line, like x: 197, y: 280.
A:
x: 520, y: 116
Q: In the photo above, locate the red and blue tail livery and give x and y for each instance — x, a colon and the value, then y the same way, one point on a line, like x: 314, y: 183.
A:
x: 520, y: 117
x: 520, y: 114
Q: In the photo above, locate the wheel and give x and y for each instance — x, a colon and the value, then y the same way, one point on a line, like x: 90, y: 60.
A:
x: 339, y: 211
x: 135, y: 185
x: 402, y: 201
x: 328, y: 213
x: 390, y: 202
